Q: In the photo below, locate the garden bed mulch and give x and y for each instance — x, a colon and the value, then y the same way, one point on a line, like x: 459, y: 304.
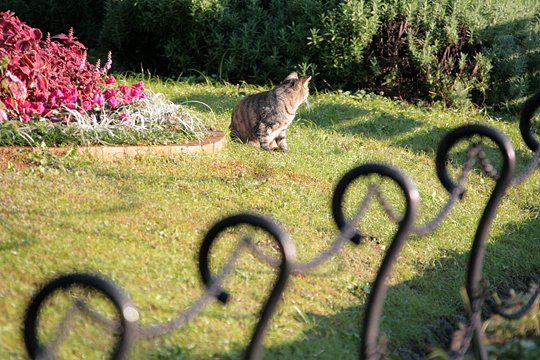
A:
x: 211, y: 144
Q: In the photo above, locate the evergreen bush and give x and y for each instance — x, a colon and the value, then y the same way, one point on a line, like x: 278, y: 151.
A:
x: 510, y: 34
x: 58, y: 16
x: 233, y: 40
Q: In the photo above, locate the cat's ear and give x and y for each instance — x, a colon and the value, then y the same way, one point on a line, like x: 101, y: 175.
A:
x: 291, y: 76
x: 305, y: 81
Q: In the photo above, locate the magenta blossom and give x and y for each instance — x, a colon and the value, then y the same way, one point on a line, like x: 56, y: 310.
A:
x: 99, y: 99
x: 110, y: 80
x: 114, y: 102
x: 124, y: 117
x: 38, y: 108
x: 87, y: 105
x: 111, y: 93
x: 44, y: 76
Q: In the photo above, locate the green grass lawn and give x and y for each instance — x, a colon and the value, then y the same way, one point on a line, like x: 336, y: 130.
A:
x: 140, y: 222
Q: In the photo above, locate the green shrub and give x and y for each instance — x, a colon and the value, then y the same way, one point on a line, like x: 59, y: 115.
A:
x: 58, y: 16
x: 138, y: 31
x: 408, y: 49
x: 229, y: 39
x: 510, y: 34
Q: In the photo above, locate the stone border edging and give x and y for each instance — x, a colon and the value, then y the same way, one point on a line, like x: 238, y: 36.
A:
x: 210, y: 144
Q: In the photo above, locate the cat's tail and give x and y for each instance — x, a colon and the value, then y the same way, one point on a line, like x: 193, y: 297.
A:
x: 235, y: 135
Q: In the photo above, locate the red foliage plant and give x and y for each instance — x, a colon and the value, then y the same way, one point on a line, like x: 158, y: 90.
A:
x: 42, y: 78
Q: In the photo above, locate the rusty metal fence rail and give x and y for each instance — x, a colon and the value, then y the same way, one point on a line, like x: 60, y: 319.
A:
x: 126, y: 329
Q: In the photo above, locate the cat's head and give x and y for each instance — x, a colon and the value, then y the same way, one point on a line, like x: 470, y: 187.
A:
x: 299, y: 86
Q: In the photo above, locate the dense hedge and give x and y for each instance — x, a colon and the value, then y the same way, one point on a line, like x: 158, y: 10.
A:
x: 449, y: 50
x: 233, y: 40
x: 58, y: 16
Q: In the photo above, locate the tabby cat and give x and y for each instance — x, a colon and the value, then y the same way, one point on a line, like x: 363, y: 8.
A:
x: 262, y: 119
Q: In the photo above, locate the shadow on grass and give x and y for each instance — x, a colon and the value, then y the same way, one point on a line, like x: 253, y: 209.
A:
x: 511, y: 260
x: 377, y: 124
x: 400, y: 131
x: 218, y: 103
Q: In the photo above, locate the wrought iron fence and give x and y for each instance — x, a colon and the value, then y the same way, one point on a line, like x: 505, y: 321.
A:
x: 127, y: 330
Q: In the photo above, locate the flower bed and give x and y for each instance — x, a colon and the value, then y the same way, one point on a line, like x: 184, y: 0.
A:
x: 49, y: 87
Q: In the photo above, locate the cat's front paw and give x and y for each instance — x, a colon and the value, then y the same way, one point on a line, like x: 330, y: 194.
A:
x: 282, y: 145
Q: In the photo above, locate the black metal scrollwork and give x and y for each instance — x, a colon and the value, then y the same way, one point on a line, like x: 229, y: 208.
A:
x: 369, y: 348
x: 474, y: 287
x: 288, y: 252
x: 525, y: 123
x: 126, y: 310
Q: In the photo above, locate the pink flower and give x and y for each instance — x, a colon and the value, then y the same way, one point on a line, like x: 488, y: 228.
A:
x: 124, y: 117
x: 124, y: 89
x: 27, y: 107
x: 114, y: 102
x: 127, y: 98
x: 134, y: 92
x: 87, y: 105
x: 99, y: 99
x: 38, y: 108
x: 8, y: 101
x: 55, y: 96
x: 58, y: 94
x: 70, y: 95
x: 25, y: 118
x: 137, y: 90
x: 110, y: 93
x: 110, y: 80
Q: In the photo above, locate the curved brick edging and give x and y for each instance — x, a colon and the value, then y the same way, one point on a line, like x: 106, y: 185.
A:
x: 211, y: 144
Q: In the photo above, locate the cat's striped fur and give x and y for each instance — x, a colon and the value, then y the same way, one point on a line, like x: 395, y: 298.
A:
x: 262, y: 119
